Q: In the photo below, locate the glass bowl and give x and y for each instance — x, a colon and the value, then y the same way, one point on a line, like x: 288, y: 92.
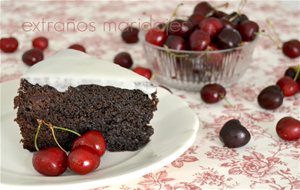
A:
x: 190, y: 70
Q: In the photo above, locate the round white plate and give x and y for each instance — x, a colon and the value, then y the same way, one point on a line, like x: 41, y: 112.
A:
x: 175, y: 129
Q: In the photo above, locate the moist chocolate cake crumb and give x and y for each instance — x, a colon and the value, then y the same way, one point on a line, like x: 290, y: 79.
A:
x: 121, y: 115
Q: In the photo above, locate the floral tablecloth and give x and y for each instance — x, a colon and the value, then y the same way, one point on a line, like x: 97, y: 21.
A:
x: 267, y: 162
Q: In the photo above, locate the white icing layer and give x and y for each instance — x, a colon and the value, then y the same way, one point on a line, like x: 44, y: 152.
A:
x: 74, y: 68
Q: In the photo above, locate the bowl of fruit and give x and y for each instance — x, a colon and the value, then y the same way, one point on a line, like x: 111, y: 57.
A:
x: 208, y: 47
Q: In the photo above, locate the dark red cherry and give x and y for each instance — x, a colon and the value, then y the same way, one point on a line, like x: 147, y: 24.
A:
x: 288, y: 128
x: 203, y: 8
x: 212, y: 26
x: 180, y: 28
x: 143, y: 72
x: 199, y: 40
x: 291, y: 72
x: 83, y: 160
x: 9, y: 45
x: 228, y: 38
x: 236, y: 18
x: 233, y: 134
x: 219, y: 14
x: 270, y: 97
x: 291, y: 48
x: 32, y: 56
x: 212, y: 93
x: 93, y: 139
x: 50, y: 161
x: 156, y: 36
x: 228, y: 24
x: 288, y: 86
x: 130, y: 35
x: 77, y: 47
x: 196, y: 19
x: 123, y: 59
x: 248, y: 30
x: 176, y: 43
x: 40, y: 43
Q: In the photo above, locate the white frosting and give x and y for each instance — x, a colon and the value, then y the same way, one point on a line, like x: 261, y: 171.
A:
x: 74, y: 68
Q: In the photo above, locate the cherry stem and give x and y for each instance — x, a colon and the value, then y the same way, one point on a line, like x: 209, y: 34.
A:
x: 298, y: 73
x: 174, y: 14
x: 227, y: 101
x: 277, y: 39
x: 241, y: 6
x: 37, y: 134
x: 54, y: 136
x: 263, y: 33
x: 65, y: 129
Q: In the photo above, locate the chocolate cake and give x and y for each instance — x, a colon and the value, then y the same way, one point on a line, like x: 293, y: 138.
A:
x: 76, y: 91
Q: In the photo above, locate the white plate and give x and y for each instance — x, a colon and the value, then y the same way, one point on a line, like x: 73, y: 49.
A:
x: 175, y: 129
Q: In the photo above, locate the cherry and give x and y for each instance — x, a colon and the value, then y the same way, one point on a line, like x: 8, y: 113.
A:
x: 212, y: 93
x: 77, y: 47
x: 219, y: 14
x: 228, y: 38
x: 288, y: 129
x: 83, y: 160
x: 211, y: 25
x: 291, y: 48
x: 176, y: 42
x: 130, y: 35
x: 236, y: 18
x: 248, y: 30
x: 199, y: 40
x: 196, y: 19
x: 288, y: 86
x: 291, y: 72
x: 156, y: 36
x: 40, y: 43
x: 51, y: 161
x: 123, y: 59
x: 32, y: 56
x: 180, y: 28
x: 203, y: 8
x: 227, y: 24
x: 9, y: 45
x: 233, y: 134
x: 143, y: 71
x: 270, y: 97
x: 93, y: 139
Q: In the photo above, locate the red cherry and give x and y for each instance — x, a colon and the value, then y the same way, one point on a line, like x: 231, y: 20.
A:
x: 199, y: 40
x: 212, y: 93
x: 176, y: 42
x: 51, y: 161
x: 212, y: 26
x: 196, y: 19
x: 248, y: 30
x: 77, y: 47
x: 288, y: 86
x: 40, y: 43
x: 83, y: 160
x: 180, y: 28
x: 32, y: 56
x: 291, y: 48
x: 93, y: 139
x: 203, y: 8
x: 288, y: 129
x: 123, y: 59
x: 156, y: 36
x: 9, y: 45
x: 143, y: 71
x: 130, y: 35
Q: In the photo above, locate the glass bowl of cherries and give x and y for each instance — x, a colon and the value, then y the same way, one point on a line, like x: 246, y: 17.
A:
x: 209, y: 47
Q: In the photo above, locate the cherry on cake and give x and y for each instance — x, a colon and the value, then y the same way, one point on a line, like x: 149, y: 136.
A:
x: 76, y: 91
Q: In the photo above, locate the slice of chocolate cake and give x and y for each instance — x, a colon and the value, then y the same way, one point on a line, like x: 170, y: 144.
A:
x: 76, y: 91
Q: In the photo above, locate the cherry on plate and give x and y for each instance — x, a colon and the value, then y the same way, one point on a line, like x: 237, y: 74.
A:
x: 9, y: 45
x: 32, y: 56
x: 123, y: 59
x: 40, y: 43
x: 93, y: 139
x: 288, y: 128
x: 77, y: 47
x: 50, y: 161
x: 156, y: 36
x: 143, y: 72
x: 130, y: 35
x: 288, y: 86
x: 212, y: 93
x: 83, y: 160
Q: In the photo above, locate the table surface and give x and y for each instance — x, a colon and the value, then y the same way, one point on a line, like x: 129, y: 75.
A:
x: 267, y: 162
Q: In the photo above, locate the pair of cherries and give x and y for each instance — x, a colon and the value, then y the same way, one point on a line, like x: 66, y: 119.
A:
x: 83, y: 158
